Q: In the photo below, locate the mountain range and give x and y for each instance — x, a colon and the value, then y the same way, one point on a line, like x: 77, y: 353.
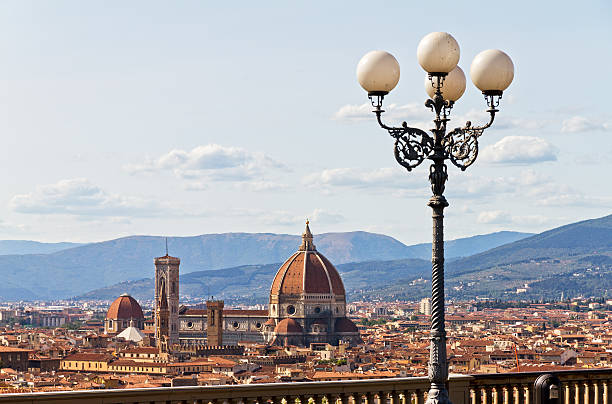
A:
x: 20, y: 247
x: 75, y: 271
x: 574, y: 259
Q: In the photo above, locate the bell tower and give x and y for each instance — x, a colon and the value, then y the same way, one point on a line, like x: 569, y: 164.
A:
x: 167, y: 299
x: 214, y: 322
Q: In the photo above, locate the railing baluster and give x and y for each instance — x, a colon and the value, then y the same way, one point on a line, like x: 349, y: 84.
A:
x: 506, y: 391
x: 596, y: 392
x: 527, y: 393
x: 516, y: 393
x: 587, y: 392
x: 484, y: 395
x: 605, y: 392
x: 565, y: 390
x: 576, y: 393
x: 495, y: 395
x: 395, y: 397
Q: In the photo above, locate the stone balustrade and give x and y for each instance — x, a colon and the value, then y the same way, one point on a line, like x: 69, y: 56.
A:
x: 577, y: 387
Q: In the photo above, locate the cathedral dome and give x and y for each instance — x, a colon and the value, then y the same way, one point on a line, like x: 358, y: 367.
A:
x: 288, y: 326
x: 125, y: 307
x: 307, y: 271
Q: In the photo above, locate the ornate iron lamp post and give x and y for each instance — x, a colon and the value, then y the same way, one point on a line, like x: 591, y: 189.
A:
x: 492, y: 72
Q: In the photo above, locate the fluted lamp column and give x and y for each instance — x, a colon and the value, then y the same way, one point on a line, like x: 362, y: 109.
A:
x: 492, y: 72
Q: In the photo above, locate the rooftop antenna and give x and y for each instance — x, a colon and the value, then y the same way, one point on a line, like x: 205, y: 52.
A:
x: 166, y: 246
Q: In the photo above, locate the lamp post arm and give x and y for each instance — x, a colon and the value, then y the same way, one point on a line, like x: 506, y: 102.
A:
x: 378, y: 111
x: 491, y: 111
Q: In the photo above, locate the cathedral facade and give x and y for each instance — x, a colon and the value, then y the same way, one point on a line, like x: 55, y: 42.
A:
x: 307, y: 304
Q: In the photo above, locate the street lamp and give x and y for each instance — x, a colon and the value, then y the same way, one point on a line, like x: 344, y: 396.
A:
x: 492, y: 72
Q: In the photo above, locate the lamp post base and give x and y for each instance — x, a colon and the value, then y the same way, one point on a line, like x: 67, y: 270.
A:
x: 437, y: 395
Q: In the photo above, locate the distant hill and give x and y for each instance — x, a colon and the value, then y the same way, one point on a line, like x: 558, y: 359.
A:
x: 20, y: 247
x: 467, y: 246
x: 585, y: 237
x: 251, y: 283
x: 75, y: 271
x: 575, y: 259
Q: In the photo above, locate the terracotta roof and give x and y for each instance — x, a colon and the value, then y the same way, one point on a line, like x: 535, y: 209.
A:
x: 99, y: 357
x: 343, y: 324
x: 307, y: 271
x: 288, y: 326
x: 125, y: 307
x: 11, y: 349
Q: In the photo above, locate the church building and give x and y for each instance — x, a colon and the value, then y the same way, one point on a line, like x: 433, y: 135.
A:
x: 307, y: 304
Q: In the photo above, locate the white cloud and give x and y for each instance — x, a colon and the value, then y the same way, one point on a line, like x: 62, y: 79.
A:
x: 290, y: 219
x: 258, y: 186
x: 407, y: 112
x: 81, y: 198
x: 252, y: 185
x: 13, y: 228
x: 581, y: 124
x: 387, y: 177
x: 509, y: 122
x: 493, y: 216
x: 324, y: 217
x: 211, y: 162
x: 519, y: 150
x: 526, y: 181
x: 570, y: 197
x: 504, y: 217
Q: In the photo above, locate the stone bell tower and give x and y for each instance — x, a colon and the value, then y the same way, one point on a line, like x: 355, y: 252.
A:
x: 214, y: 322
x: 167, y: 298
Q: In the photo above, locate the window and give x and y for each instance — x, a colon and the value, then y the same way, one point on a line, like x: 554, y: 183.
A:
x: 291, y: 310
x: 235, y: 324
x: 317, y: 310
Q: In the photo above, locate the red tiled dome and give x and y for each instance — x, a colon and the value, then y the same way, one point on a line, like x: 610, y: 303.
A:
x: 288, y: 326
x: 343, y: 324
x: 125, y: 307
x: 307, y: 271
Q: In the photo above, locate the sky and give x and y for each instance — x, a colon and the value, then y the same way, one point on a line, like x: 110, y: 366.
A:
x: 192, y: 117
